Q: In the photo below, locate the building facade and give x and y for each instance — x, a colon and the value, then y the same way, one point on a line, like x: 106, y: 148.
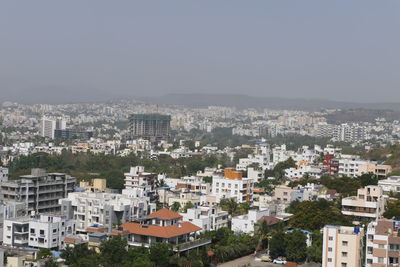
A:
x: 149, y: 126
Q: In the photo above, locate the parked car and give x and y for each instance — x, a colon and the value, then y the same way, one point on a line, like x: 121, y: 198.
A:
x: 279, y: 261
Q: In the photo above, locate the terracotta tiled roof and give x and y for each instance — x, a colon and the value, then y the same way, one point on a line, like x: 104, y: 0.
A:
x: 161, y: 231
x: 270, y: 220
x: 165, y: 214
x: 73, y: 240
x: 96, y: 229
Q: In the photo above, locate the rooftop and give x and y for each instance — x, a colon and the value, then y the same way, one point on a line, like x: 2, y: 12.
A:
x: 161, y: 231
x: 165, y: 214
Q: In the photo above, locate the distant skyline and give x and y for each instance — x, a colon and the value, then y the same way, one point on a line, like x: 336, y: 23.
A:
x: 94, y: 50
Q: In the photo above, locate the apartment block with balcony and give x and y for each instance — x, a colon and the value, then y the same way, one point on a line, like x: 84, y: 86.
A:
x: 103, y: 209
x: 233, y: 185
x: 391, y: 184
x: 40, y: 191
x: 383, y: 244
x: 342, y: 246
x: 138, y: 178
x: 369, y: 203
x: 207, y: 218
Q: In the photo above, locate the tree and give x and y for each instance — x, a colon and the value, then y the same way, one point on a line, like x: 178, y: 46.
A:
x: 314, y: 252
x: 113, y: 251
x: 392, y: 210
x: 160, y: 254
x: 277, y: 245
x: 296, y: 249
x: 230, y: 205
x: 262, y: 231
x: 176, y: 206
x: 72, y: 255
x: 187, y: 206
x: 44, y: 253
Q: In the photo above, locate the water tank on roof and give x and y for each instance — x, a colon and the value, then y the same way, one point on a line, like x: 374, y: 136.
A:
x: 356, y: 229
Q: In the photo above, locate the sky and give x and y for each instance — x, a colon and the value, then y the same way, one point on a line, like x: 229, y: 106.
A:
x: 79, y: 50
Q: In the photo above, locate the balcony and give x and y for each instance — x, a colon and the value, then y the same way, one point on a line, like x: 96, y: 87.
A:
x: 192, y: 244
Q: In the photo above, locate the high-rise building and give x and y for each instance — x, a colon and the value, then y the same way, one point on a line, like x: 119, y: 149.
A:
x: 47, y: 127
x: 342, y: 246
x: 149, y: 126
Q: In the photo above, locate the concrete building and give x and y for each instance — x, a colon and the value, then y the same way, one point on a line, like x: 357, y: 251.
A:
x: 382, y: 243
x: 369, y: 203
x: 95, y: 185
x: 47, y: 127
x: 41, y: 231
x: 163, y: 226
x: 245, y: 223
x: 184, y: 197
x: 349, y: 165
x: 342, y: 246
x: 10, y: 210
x: 282, y: 194
x: 3, y: 174
x: 103, y: 209
x: 40, y: 191
x: 149, y: 126
x: 391, y: 184
x: 207, y: 218
x: 138, y: 178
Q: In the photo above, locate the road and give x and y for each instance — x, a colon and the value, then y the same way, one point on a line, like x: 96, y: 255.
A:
x: 248, y: 261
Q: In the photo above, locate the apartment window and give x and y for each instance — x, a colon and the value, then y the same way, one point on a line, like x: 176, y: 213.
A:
x: 54, y: 240
x: 331, y: 238
x: 285, y: 193
x: 371, y: 237
x: 393, y: 260
x: 223, y: 184
x: 344, y: 264
x: 329, y: 249
x: 345, y: 243
x: 329, y: 259
x: 41, y: 232
x: 394, y: 247
x: 381, y: 260
x: 217, y: 184
x: 369, y: 261
x: 381, y: 246
x: 344, y: 254
x: 54, y: 230
x: 32, y: 231
x: 236, y: 186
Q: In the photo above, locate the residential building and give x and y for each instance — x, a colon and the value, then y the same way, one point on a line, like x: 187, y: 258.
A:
x: 95, y: 185
x: 391, y: 184
x: 47, y: 127
x: 382, y: 243
x: 41, y: 231
x: 349, y: 165
x: 138, y: 178
x: 40, y: 191
x: 245, y: 223
x: 10, y: 210
x: 369, y: 203
x: 72, y: 133
x: 104, y: 209
x: 282, y: 194
x: 342, y: 246
x: 184, y: 197
x: 163, y: 226
x: 233, y: 185
x: 149, y: 126
x: 3, y: 174
x: 207, y: 218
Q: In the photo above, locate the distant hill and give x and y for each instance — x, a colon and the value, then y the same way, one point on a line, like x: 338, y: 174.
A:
x: 245, y: 101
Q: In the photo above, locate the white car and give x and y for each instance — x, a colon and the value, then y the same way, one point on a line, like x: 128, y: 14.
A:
x: 279, y: 261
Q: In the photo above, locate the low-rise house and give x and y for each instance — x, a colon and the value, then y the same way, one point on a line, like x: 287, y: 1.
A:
x: 391, y: 184
x: 245, y: 223
x: 369, y: 203
x: 163, y: 226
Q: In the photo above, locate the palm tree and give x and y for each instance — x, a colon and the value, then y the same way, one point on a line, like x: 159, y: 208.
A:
x: 262, y: 233
x: 176, y: 206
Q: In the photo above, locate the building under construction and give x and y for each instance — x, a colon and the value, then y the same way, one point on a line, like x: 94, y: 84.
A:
x: 149, y: 126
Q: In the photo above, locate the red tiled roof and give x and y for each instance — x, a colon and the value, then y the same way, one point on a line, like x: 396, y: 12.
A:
x: 165, y: 214
x: 161, y: 231
x: 96, y: 229
x: 270, y: 220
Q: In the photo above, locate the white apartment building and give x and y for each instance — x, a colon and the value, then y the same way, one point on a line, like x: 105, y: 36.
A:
x: 349, y: 165
x: 47, y: 127
x: 233, y: 185
x: 10, y: 210
x: 207, y: 218
x: 391, y: 184
x: 342, y: 246
x: 262, y: 161
x: 3, y: 174
x: 103, y: 209
x: 369, y: 203
x: 184, y: 197
x: 280, y: 154
x: 41, y: 231
x: 245, y: 223
x: 138, y: 178
x: 311, y: 170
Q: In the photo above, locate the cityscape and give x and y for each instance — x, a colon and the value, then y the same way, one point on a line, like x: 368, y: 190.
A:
x: 215, y: 133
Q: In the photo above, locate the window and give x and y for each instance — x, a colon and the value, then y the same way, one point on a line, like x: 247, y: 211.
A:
x: 285, y: 193
x: 344, y: 264
x: 329, y: 249
x: 393, y: 260
x: 32, y: 230
x: 394, y: 247
x: 381, y: 260
x: 331, y: 238
x: 344, y: 254
x: 54, y: 230
x: 345, y: 243
x: 381, y: 246
x: 41, y: 232
x: 329, y: 259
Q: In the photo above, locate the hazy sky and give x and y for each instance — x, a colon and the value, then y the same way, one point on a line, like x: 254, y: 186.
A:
x: 79, y: 49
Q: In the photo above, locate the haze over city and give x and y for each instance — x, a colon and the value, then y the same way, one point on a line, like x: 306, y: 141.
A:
x: 76, y: 51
